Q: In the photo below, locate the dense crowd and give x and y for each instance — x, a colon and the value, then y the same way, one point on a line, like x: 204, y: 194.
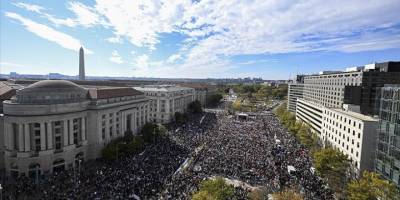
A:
x: 257, y: 152
x: 130, y: 177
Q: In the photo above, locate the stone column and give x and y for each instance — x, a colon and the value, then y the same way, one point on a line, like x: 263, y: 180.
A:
x: 65, y: 132
x: 83, y: 130
x: 71, y: 131
x: 27, y: 137
x: 107, y: 131
x: 122, y: 121
x: 49, y: 135
x: 9, y: 136
x: 173, y: 105
x: 133, y: 123
x: 115, y: 123
x: 21, y: 146
x: 9, y: 132
x: 42, y: 136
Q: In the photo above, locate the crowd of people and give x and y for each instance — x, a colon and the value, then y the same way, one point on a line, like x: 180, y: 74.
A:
x: 139, y: 176
x: 256, y: 152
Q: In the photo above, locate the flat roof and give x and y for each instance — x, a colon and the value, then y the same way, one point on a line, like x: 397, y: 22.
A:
x: 355, y: 115
x: 162, y: 88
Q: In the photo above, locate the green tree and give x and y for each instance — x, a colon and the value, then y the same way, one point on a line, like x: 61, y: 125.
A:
x: 332, y: 165
x: 214, y: 189
x: 371, y: 187
x: 195, y: 107
x: 148, y: 132
x: 161, y: 130
x: 214, y: 99
x: 287, y: 194
x: 136, y: 145
x: 179, y: 118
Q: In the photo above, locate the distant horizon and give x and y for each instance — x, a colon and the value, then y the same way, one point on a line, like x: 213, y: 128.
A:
x: 196, y: 39
x: 148, y: 77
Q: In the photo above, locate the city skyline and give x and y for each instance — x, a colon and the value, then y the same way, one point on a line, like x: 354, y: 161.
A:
x: 187, y: 39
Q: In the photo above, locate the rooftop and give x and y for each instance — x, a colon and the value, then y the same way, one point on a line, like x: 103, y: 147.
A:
x: 161, y: 88
x: 355, y: 115
x: 111, y: 92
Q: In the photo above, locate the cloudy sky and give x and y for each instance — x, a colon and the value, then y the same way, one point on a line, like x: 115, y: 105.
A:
x: 273, y: 39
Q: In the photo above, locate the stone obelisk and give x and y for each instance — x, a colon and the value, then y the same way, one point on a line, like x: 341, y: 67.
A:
x: 81, y: 64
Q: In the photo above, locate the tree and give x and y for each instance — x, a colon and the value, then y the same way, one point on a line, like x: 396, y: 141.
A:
x: 179, y: 119
x: 161, y: 130
x: 237, y: 106
x: 195, y: 107
x: 214, y: 99
x: 148, y: 132
x: 332, y: 165
x: 370, y: 187
x: 202, y: 195
x: 214, y: 189
x: 136, y: 145
x: 287, y: 194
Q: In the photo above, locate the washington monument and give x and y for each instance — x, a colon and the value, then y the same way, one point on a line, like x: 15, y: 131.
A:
x: 81, y: 64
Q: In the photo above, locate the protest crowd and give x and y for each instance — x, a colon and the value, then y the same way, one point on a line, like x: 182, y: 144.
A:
x: 256, y: 152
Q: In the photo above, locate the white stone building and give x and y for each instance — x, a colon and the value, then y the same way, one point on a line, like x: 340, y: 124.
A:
x: 53, y: 125
x: 165, y: 100
x: 353, y: 134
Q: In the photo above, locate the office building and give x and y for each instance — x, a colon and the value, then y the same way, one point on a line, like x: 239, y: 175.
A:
x: 331, y: 99
x: 53, y: 125
x: 388, y: 148
x: 353, y: 134
x: 165, y: 100
x: 295, y: 91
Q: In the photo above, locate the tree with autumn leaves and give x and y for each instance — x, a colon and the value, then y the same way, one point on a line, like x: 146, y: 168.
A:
x: 371, y: 187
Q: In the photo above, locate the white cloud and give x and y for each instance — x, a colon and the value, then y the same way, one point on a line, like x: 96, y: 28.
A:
x: 173, y: 58
x: 116, y: 39
x: 218, y: 30
x: 84, y: 15
x: 48, y: 33
x: 141, y: 22
x: 30, y: 7
x: 116, y: 58
x: 215, y: 31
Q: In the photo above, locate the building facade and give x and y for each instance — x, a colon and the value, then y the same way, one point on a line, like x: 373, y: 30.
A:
x: 312, y: 114
x: 388, y: 147
x: 332, y: 99
x: 166, y: 100
x: 353, y: 134
x: 200, y: 92
x: 333, y: 89
x: 295, y: 91
x: 54, y: 125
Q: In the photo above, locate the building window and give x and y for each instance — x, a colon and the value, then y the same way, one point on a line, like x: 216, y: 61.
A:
x: 57, y: 135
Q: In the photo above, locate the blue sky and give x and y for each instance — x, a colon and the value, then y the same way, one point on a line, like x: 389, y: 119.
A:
x: 197, y: 39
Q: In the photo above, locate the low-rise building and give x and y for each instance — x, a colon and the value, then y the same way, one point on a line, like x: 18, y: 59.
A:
x: 53, y: 125
x: 166, y: 100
